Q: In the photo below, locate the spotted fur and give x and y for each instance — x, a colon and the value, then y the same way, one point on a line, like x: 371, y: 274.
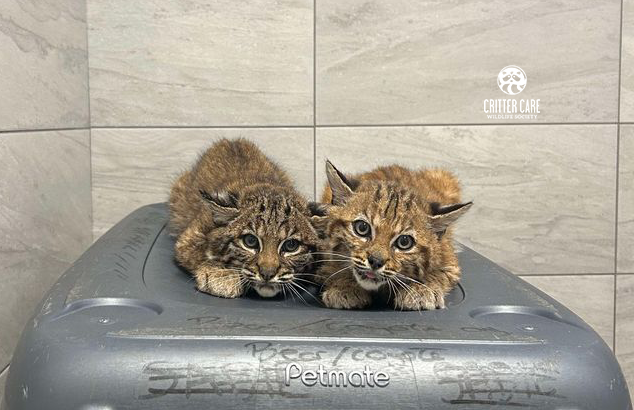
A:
x: 234, y: 191
x: 394, y: 202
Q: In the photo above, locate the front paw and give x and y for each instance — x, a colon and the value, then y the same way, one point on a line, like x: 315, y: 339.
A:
x: 219, y: 282
x: 349, y: 297
x: 418, y: 297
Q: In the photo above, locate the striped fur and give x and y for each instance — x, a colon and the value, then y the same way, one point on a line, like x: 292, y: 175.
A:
x: 234, y: 191
x: 393, y: 201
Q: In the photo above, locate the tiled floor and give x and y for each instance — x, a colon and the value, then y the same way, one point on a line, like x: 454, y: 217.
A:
x: 208, y: 63
x: 43, y: 65
x: 625, y: 262
x: 434, y: 62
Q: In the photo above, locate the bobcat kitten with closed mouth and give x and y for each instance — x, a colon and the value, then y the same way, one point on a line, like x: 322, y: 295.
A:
x: 390, y: 232
x: 240, y: 223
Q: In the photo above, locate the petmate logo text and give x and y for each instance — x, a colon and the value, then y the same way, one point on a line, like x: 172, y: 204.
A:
x: 335, y: 378
x: 512, y: 80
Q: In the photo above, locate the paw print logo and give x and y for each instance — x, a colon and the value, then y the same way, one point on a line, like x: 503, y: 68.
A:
x: 512, y: 80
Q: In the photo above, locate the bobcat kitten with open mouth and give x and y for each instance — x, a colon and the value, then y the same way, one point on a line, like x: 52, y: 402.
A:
x: 240, y: 223
x: 389, y: 231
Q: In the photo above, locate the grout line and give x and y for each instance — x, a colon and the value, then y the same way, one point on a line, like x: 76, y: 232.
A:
x: 44, y: 130
x: 614, y: 316
x: 315, y: 125
x: 116, y: 127
x: 529, y: 275
x: 106, y: 127
x: 90, y: 176
x: 92, y: 205
x: 314, y: 164
x: 314, y: 100
x: 474, y: 124
x: 616, y: 236
x: 616, y: 207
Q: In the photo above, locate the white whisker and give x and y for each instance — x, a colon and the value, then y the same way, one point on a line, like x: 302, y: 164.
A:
x: 339, y: 271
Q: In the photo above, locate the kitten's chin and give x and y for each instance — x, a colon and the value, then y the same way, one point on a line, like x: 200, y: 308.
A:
x: 267, y: 291
x: 366, y: 283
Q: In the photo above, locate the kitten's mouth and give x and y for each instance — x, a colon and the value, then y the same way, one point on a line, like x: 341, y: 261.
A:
x: 369, y: 275
x: 266, y: 290
x: 368, y: 279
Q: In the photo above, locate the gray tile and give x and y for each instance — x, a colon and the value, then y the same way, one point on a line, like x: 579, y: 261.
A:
x: 625, y: 260
x: 134, y: 167
x: 45, y: 219
x: 436, y: 62
x: 3, y: 380
x: 544, y: 195
x: 43, y: 64
x: 198, y: 62
x: 625, y: 327
x: 596, y: 306
x: 627, y: 62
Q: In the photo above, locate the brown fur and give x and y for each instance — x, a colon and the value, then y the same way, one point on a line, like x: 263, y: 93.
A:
x: 234, y: 191
x: 394, y: 201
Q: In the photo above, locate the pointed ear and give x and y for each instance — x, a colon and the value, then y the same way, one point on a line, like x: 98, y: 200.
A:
x: 318, y: 209
x: 444, y: 215
x: 342, y: 188
x: 223, y: 206
x: 319, y: 215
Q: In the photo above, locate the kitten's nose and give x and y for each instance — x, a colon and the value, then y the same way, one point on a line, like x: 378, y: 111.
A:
x: 375, y: 262
x: 267, y: 272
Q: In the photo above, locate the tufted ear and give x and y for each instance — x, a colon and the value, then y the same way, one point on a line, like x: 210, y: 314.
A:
x: 444, y: 215
x: 342, y: 188
x: 318, y: 215
x: 223, y: 206
x: 318, y: 209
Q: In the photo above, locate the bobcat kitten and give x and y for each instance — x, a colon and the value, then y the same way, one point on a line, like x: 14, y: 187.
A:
x: 390, y: 232
x: 240, y: 223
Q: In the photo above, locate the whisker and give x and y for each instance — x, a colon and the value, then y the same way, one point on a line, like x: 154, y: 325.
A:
x: 331, y: 254
x: 307, y: 281
x: 292, y: 289
x: 390, y: 285
x: 287, y: 286
x: 415, y: 281
x: 406, y: 287
x: 339, y: 271
x: 305, y: 291
x: 322, y: 260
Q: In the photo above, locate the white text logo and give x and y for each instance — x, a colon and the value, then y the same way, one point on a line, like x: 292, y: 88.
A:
x: 335, y: 378
x: 512, y: 80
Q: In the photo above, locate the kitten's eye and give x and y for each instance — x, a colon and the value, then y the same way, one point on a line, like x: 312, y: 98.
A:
x: 251, y: 241
x: 290, y: 245
x: 361, y: 228
x: 404, y: 242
